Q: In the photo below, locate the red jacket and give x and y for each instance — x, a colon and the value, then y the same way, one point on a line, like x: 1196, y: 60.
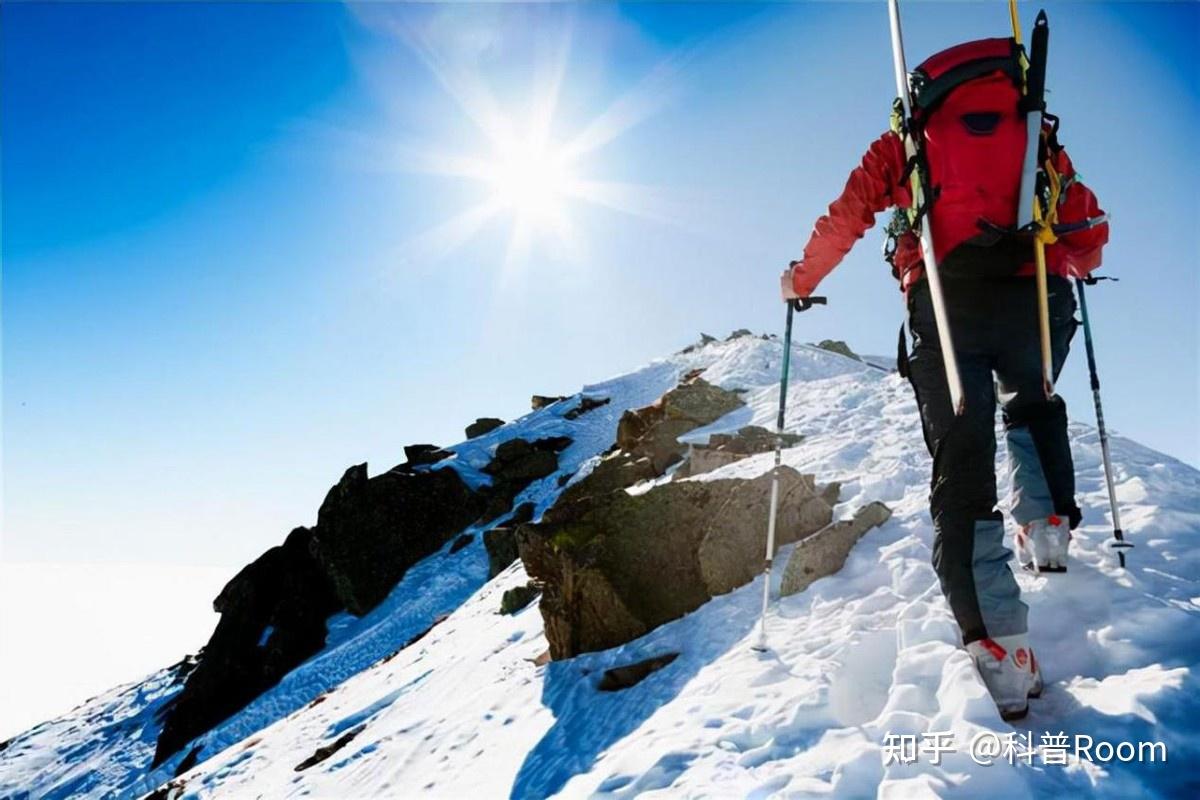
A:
x: 875, y: 185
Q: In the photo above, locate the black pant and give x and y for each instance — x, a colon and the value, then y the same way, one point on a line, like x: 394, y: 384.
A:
x: 995, y: 327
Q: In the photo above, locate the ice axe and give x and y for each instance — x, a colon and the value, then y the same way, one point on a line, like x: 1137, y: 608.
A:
x: 793, y: 305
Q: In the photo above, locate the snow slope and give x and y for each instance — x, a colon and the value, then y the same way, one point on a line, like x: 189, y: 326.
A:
x: 871, y: 651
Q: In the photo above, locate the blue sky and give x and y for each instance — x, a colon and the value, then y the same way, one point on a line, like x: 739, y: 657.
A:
x: 219, y: 282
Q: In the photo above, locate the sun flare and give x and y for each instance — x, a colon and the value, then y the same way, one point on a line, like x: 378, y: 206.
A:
x: 525, y: 172
x: 532, y: 179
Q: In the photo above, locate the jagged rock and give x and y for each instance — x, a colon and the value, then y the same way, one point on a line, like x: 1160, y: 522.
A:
x: 273, y: 616
x: 653, y: 432
x: 540, y: 401
x: 838, y: 346
x: 325, y: 751
x: 421, y: 454
x: 705, y: 339
x: 587, y: 404
x: 518, y: 463
x: 370, y: 531
x: 618, y: 678
x: 188, y: 761
x: 483, y: 425
x: 613, y: 567
x: 501, y: 545
x: 738, y: 334
x: 518, y: 597
x: 724, y: 448
x: 824, y: 553
x: 461, y: 542
x: 501, y: 542
x: 617, y: 470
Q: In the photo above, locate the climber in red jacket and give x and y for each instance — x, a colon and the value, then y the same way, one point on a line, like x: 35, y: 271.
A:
x: 972, y: 142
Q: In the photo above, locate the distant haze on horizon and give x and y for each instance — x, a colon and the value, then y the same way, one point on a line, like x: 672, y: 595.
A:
x: 248, y: 245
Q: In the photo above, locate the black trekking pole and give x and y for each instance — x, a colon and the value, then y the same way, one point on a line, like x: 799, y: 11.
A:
x: 797, y: 304
x: 1119, y: 543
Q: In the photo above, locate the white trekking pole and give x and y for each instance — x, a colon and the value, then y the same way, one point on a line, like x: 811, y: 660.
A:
x: 953, y: 380
x: 800, y: 304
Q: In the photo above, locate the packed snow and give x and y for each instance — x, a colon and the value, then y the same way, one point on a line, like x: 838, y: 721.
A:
x: 859, y: 664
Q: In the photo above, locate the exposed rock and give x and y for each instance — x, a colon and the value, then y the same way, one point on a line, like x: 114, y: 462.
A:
x: 518, y: 463
x: 724, y: 448
x: 501, y: 542
x: 370, y: 531
x: 501, y: 545
x: 540, y: 401
x: 273, y: 616
x: 618, y: 678
x: 839, y: 347
x: 518, y: 597
x: 587, y: 404
x: 825, y: 553
x: 738, y: 334
x: 326, y: 751
x: 188, y: 761
x: 616, y: 470
x: 615, y: 566
x: 653, y: 431
x: 461, y: 542
x: 483, y: 425
x: 421, y: 454
x: 705, y: 339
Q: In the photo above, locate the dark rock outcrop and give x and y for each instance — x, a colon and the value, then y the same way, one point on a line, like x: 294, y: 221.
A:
x: 618, y: 678
x: 501, y: 542
x: 518, y: 463
x: 371, y: 530
x: 422, y: 454
x: 273, y: 616
x: 839, y: 347
x: 325, y: 751
x: 738, y: 334
x: 613, y: 567
x: 518, y: 597
x: 705, y: 340
x: 483, y: 425
x: 586, y: 404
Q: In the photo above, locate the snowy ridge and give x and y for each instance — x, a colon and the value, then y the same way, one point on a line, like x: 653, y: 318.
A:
x: 868, y: 652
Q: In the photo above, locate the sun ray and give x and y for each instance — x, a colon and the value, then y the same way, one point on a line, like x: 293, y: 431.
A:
x: 644, y: 100
x: 446, y: 237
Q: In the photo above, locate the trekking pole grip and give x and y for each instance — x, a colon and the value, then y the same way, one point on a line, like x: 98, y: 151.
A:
x: 805, y: 303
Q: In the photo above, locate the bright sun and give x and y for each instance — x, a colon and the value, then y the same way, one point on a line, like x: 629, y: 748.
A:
x: 532, y: 179
x: 526, y: 173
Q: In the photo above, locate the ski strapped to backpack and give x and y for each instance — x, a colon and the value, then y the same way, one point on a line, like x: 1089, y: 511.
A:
x: 1031, y: 216
x: 920, y: 183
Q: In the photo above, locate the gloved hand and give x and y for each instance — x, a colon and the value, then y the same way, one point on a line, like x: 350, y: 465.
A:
x: 786, y: 287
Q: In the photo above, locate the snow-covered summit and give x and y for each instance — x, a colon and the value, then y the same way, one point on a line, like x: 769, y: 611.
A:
x: 858, y: 661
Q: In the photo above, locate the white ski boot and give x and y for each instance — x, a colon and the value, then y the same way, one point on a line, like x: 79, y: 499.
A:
x: 1042, y: 545
x: 1009, y: 671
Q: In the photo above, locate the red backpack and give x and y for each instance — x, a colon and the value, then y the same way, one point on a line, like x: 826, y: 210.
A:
x: 967, y: 110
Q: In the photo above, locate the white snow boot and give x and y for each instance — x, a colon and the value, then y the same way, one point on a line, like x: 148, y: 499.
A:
x: 1009, y: 671
x: 1042, y: 544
